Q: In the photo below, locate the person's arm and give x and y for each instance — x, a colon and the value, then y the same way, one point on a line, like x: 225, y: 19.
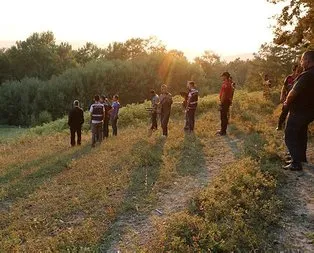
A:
x: 70, y: 118
x: 298, y: 88
x: 82, y: 117
x: 283, y: 94
x: 290, y: 98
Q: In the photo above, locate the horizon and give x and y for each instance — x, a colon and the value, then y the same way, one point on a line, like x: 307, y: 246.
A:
x: 191, y: 28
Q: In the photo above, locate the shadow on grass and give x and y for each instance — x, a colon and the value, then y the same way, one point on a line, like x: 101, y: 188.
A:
x: 51, y: 166
x: 192, y: 158
x: 147, y: 159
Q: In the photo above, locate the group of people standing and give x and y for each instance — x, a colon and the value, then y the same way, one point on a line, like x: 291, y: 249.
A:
x: 297, y: 97
x: 102, y: 113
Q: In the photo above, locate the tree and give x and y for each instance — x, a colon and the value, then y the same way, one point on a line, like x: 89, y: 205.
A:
x: 295, y: 24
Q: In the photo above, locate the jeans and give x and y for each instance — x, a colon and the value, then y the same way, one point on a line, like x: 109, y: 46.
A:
x: 224, y: 110
x: 296, y: 135
x: 78, y: 131
x: 106, y: 127
x: 154, y: 120
x: 164, y: 119
x: 191, y: 119
x: 114, y: 126
x: 96, y: 132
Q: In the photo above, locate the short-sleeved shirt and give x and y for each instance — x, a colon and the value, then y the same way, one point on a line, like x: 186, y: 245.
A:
x: 155, y: 101
x: 227, y: 91
x: 115, y: 110
x: 304, y: 89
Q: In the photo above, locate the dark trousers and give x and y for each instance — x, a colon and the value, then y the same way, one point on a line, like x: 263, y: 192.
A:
x: 191, y: 119
x: 114, y: 126
x: 224, y: 111
x: 283, y: 116
x: 96, y: 132
x: 186, y: 125
x: 164, y: 119
x: 106, y: 127
x: 154, y: 120
x: 296, y: 135
x: 78, y: 131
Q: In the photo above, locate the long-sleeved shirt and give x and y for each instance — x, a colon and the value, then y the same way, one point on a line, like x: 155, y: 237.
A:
x: 192, y: 99
x: 76, y: 117
x: 226, y: 93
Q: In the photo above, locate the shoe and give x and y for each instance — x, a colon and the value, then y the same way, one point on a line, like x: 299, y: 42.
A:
x: 219, y: 133
x: 293, y: 167
x: 278, y: 128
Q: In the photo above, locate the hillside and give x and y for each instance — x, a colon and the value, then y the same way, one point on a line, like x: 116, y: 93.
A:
x: 186, y: 193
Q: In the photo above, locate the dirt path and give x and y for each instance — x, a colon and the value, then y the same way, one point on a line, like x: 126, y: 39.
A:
x: 137, y: 230
x: 298, y: 223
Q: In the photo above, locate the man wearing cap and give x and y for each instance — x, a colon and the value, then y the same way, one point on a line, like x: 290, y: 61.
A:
x: 75, y: 121
x: 225, y: 96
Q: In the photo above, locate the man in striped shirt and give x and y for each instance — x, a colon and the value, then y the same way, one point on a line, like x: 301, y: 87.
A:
x: 191, y: 106
x: 97, y: 111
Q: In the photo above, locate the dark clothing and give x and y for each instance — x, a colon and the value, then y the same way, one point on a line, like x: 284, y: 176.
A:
x: 154, y: 120
x: 106, y: 119
x: 296, y: 136
x: 224, y: 111
x: 164, y: 119
x: 76, y: 117
x: 165, y: 110
x: 75, y: 121
x: 97, y: 111
x: 283, y: 116
x: 190, y: 119
x: 78, y: 131
x: 304, y: 88
x: 96, y: 133
x: 288, y: 84
x: 300, y: 116
x: 192, y: 99
x: 114, y: 126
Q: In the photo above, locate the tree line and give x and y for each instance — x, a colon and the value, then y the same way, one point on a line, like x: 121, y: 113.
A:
x: 39, y: 78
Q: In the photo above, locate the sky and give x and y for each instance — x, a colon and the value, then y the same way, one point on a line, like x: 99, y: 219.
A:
x: 227, y: 27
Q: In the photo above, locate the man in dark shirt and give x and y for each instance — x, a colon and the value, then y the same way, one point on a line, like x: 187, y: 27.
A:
x: 287, y: 86
x: 191, y: 105
x: 104, y: 100
x: 75, y: 121
x: 301, y: 105
x: 165, y: 102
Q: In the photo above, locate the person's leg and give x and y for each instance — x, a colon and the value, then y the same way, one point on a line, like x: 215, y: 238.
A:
x: 187, y: 125
x: 282, y: 117
x: 79, y: 135
x: 100, y: 132
x: 191, y: 114
x: 106, y: 127
x: 114, y: 127
x: 164, y: 122
x: 154, y: 121
x: 72, y: 130
x: 224, y: 118
x: 292, y: 133
x: 94, y: 134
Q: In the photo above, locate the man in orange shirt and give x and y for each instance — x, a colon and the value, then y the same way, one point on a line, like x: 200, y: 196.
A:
x: 225, y: 96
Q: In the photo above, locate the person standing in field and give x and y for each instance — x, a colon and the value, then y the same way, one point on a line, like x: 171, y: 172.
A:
x: 154, y: 104
x: 114, y: 114
x: 107, y: 106
x: 75, y: 121
x: 266, y: 87
x: 97, y: 116
x: 165, y: 102
x: 301, y: 113
x: 191, y: 105
x: 225, y: 97
x: 287, y: 86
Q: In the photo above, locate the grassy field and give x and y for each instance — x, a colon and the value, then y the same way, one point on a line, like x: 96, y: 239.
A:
x: 57, y: 198
x: 9, y: 133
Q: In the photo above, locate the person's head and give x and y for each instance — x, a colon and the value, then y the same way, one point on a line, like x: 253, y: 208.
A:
x: 102, y: 98
x: 307, y: 59
x: 225, y: 76
x: 115, y: 97
x: 152, y: 93
x: 76, y: 103
x: 191, y: 85
x: 164, y: 88
x: 96, y: 98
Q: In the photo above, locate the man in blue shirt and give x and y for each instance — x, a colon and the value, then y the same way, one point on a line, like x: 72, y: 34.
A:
x: 114, y: 114
x: 300, y: 101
